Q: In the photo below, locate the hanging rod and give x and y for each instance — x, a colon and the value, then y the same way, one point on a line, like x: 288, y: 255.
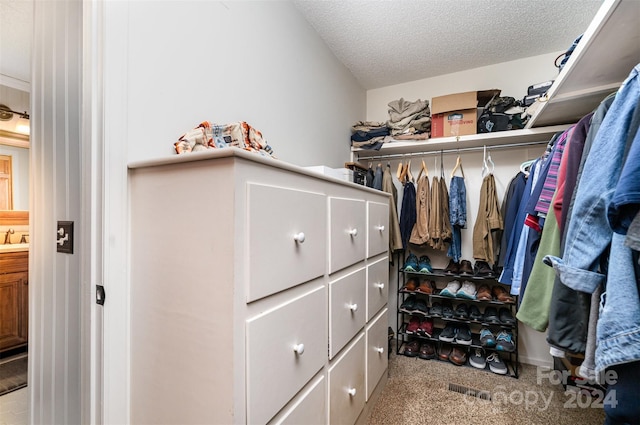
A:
x: 454, y: 150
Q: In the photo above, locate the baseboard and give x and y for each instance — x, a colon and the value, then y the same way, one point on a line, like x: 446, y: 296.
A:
x: 546, y: 362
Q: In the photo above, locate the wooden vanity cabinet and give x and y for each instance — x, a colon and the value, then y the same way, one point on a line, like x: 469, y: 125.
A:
x: 14, y: 300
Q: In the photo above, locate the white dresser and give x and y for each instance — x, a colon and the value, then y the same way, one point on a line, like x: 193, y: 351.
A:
x: 258, y: 292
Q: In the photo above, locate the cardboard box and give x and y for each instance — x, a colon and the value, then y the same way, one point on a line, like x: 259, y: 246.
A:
x: 457, y: 114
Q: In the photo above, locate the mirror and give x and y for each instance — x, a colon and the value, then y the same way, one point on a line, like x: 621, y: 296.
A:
x: 19, y: 174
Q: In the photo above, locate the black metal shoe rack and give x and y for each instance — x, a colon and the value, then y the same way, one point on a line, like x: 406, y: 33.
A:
x: 441, y: 279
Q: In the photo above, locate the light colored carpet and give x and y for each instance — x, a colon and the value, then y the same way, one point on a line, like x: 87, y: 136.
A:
x: 417, y: 393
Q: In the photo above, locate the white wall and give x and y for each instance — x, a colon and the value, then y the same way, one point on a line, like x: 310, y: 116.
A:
x: 513, y: 78
x: 258, y: 62
x: 169, y: 65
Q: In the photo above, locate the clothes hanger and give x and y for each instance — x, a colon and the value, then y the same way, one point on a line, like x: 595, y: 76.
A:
x: 399, y: 171
x: 409, y: 175
x: 485, y: 167
x: 457, y: 166
x: 491, y: 165
x: 525, y: 167
x: 423, y: 170
x: 441, y: 164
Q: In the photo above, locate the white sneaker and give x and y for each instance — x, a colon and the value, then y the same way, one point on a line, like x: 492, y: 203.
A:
x: 496, y: 365
x: 467, y: 290
x: 451, y: 289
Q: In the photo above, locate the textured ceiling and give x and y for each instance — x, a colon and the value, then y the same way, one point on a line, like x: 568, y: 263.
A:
x: 390, y: 42
x: 16, y: 27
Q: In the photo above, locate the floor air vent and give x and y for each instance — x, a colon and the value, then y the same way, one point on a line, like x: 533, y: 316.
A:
x: 484, y: 395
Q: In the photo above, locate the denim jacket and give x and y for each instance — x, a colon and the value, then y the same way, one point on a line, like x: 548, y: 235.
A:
x: 589, y: 235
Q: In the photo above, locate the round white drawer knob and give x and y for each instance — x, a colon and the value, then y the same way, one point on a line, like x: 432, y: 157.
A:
x: 379, y: 285
x: 352, y: 392
x: 353, y: 232
x: 380, y: 350
x: 353, y: 307
x: 381, y: 228
x: 299, y: 349
x: 299, y: 237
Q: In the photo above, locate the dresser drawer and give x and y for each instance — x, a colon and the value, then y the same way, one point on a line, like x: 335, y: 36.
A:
x: 310, y: 407
x: 286, y: 238
x: 346, y: 384
x: 348, y: 232
x: 377, y: 345
x: 377, y: 228
x: 346, y: 309
x: 377, y: 286
x: 286, y: 346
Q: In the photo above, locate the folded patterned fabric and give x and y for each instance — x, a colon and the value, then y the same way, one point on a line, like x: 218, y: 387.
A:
x: 213, y: 136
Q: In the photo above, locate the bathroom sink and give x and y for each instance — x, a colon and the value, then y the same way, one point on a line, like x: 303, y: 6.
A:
x: 15, y: 247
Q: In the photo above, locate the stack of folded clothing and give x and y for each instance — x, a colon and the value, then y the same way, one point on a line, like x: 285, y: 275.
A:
x: 368, y: 134
x: 211, y: 136
x: 409, y: 119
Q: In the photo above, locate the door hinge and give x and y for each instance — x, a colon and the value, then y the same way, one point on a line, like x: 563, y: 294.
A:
x: 100, y: 294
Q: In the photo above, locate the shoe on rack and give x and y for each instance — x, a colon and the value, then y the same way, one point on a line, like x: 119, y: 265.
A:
x: 504, y: 341
x: 427, y: 351
x: 465, y: 268
x: 411, y: 264
x: 502, y: 295
x: 426, y: 328
x: 412, y: 348
x: 506, y: 317
x: 458, y: 356
x: 413, y: 325
x: 496, y: 365
x: 451, y: 289
x: 436, y: 310
x: 463, y: 335
x: 486, y: 338
x: 477, y: 359
x: 461, y: 312
x: 491, y: 316
x: 427, y: 287
x: 408, y: 304
x: 474, y: 313
x: 452, y: 268
x: 448, y: 334
x: 484, y: 293
x: 483, y: 269
x: 444, y: 351
x: 424, y: 265
x: 420, y: 307
x: 447, y: 310
x: 411, y: 285
x: 467, y: 290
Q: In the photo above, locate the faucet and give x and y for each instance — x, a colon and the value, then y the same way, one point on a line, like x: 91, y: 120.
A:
x: 7, y: 236
x: 23, y: 239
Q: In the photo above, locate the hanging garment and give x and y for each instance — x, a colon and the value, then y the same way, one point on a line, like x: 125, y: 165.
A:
x: 633, y: 234
x: 536, y: 299
x: 509, y: 212
x: 420, y: 232
x: 445, y: 233
x: 625, y: 203
x: 377, y: 178
x: 368, y: 178
x: 569, y: 309
x: 589, y: 235
x: 395, y: 240
x: 488, y: 221
x: 435, y: 219
x: 407, y: 213
x: 457, y: 216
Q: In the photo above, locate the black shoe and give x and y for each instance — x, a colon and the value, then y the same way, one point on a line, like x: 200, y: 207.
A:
x: 474, y: 313
x: 462, y: 312
x: 482, y: 269
x: 447, y: 310
x: 409, y: 304
x: 448, y: 334
x: 491, y: 315
x: 436, y: 310
x: 463, y: 336
x: 506, y: 317
x: 420, y: 307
